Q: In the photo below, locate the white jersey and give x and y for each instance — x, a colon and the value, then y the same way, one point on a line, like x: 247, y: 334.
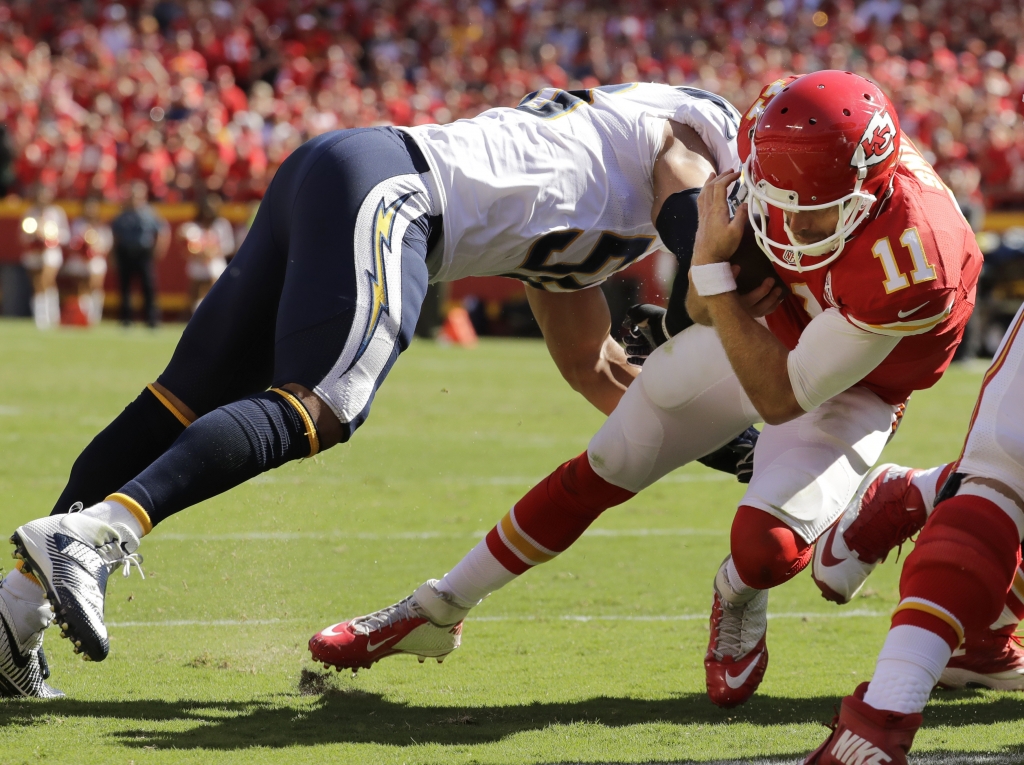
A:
x: 558, y: 191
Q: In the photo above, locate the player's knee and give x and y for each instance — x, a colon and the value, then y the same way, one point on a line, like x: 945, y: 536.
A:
x: 324, y: 424
x: 965, y: 560
x: 765, y: 550
x: 624, y: 450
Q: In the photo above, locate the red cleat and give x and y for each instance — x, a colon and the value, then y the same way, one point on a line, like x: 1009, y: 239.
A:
x: 994, y: 660
x: 884, y: 513
x: 737, y: 654
x: 409, y: 626
x: 863, y: 735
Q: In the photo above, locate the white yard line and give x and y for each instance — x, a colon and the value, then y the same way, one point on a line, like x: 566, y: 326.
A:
x: 326, y: 536
x: 852, y: 613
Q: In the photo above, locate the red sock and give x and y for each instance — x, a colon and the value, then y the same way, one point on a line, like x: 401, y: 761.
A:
x: 765, y: 551
x: 552, y: 515
x: 957, y: 578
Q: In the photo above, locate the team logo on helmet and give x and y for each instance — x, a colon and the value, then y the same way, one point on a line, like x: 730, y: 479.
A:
x: 878, y: 141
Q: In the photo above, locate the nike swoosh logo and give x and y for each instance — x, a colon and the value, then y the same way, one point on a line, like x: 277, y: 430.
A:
x: 20, y: 660
x: 827, y: 558
x: 741, y: 678
x: 905, y: 314
x: 333, y: 629
x: 370, y: 647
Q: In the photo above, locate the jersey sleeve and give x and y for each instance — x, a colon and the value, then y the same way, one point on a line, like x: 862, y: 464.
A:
x: 916, y: 313
x: 832, y: 355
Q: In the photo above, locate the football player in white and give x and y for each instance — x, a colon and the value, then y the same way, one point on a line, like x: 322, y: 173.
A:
x: 324, y: 294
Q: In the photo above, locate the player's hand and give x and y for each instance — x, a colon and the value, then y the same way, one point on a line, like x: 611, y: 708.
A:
x: 763, y: 299
x: 645, y: 331
x: 718, y: 233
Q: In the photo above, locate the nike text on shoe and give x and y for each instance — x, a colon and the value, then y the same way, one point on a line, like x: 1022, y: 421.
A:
x: 886, y: 511
x: 737, y: 653
x: 23, y: 669
x: 993, y: 660
x: 425, y: 624
x: 863, y: 735
x: 73, y: 555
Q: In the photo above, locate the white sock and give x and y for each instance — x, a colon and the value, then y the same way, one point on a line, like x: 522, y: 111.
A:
x: 909, y: 666
x: 96, y: 306
x: 926, y: 482
x: 53, y: 306
x: 731, y: 587
x: 39, y: 312
x: 112, y: 512
x: 475, y: 577
x: 27, y: 603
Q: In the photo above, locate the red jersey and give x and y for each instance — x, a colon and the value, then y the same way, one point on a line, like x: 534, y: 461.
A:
x: 910, y: 272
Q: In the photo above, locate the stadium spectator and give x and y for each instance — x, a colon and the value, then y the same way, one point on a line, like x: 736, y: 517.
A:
x: 44, y: 233
x: 140, y: 237
x: 217, y: 94
x: 91, y: 242
x: 210, y: 241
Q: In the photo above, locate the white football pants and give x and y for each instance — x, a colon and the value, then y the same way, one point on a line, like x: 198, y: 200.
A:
x: 688, y: 402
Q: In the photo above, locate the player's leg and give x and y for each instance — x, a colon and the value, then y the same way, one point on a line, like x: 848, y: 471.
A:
x: 953, y: 583
x: 805, y: 471
x: 225, y: 353
x: 686, y: 403
x: 353, y: 229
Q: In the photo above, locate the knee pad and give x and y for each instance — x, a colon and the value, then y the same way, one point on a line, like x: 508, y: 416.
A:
x: 624, y: 450
x: 765, y: 550
x: 964, y: 560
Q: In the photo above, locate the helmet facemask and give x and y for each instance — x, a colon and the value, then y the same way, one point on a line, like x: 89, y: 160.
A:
x: 854, y: 209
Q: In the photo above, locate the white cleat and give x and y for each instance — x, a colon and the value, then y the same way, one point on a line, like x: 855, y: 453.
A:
x: 23, y: 669
x: 73, y: 555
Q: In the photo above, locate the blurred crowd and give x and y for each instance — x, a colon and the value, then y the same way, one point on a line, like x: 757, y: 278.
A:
x: 213, y: 95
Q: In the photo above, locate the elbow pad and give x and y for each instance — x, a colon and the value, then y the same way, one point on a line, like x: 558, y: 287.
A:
x: 677, y: 227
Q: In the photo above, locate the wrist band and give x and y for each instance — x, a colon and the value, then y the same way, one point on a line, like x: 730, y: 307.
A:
x: 713, y: 279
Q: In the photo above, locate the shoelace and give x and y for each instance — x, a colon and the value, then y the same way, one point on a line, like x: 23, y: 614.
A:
x: 386, y: 617
x: 114, y: 555
x: 730, y: 629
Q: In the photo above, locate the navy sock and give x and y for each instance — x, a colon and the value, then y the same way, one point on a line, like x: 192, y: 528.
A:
x: 219, y: 451
x: 136, y: 437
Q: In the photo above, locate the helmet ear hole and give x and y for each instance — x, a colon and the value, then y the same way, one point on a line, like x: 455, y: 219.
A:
x: 846, y: 112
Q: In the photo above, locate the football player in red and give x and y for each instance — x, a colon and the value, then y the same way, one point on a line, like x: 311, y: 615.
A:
x: 960, y: 587
x: 881, y: 269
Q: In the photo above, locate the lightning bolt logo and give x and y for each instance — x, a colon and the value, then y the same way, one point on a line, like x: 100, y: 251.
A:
x: 383, y: 226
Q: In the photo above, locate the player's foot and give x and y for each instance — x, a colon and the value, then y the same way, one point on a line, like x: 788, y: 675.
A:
x: 737, y: 653
x: 994, y: 660
x: 426, y: 624
x: 886, y: 511
x: 23, y: 668
x: 863, y: 734
x: 72, y: 555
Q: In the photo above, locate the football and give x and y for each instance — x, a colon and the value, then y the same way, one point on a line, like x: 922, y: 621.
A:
x: 754, y: 265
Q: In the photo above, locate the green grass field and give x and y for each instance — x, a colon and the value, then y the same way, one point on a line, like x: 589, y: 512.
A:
x: 594, y: 657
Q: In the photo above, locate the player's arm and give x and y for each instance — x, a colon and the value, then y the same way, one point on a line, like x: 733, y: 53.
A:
x: 680, y: 170
x: 576, y: 327
x: 832, y: 354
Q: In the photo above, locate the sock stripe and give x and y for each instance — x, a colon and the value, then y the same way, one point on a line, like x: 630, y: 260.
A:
x: 178, y: 415
x: 519, y: 544
x: 135, y: 509
x: 311, y: 434
x: 932, y: 609
x: 515, y: 523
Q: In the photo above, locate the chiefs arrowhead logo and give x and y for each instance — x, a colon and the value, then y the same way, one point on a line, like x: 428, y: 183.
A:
x: 878, y: 141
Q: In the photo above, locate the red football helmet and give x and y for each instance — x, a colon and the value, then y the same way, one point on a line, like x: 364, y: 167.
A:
x: 820, y: 140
